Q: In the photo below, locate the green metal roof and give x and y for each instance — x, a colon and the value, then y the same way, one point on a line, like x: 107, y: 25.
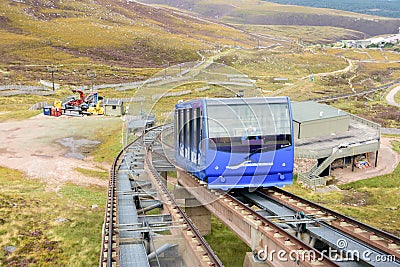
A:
x: 312, y: 111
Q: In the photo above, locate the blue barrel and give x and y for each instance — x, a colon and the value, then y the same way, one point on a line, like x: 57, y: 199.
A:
x: 46, y: 110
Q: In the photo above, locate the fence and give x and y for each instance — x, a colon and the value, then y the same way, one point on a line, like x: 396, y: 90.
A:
x: 158, y: 96
x: 126, y: 100
x: 23, y: 88
x: 312, y: 182
x: 39, y: 105
x: 205, y: 88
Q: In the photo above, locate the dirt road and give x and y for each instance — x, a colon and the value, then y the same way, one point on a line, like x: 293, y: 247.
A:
x: 35, y: 147
x: 390, y: 97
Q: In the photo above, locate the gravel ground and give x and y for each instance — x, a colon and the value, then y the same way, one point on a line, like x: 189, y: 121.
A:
x: 35, y: 147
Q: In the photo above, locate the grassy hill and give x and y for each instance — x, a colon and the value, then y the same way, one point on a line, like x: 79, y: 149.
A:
x: 78, y: 34
x: 385, y: 8
x: 267, y: 13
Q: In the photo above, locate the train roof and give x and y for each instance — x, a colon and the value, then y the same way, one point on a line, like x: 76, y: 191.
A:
x: 249, y: 100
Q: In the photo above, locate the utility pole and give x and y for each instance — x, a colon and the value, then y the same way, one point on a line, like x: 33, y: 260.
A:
x: 52, y: 69
x: 165, y: 69
x: 91, y: 74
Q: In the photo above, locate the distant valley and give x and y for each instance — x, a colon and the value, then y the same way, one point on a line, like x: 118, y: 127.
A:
x: 258, y: 12
x: 384, y: 8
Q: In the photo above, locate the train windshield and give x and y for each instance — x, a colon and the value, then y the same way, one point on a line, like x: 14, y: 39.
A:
x: 254, y: 127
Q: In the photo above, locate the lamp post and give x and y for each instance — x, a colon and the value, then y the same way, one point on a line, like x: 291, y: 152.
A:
x: 52, y: 69
x: 91, y: 74
x: 165, y: 69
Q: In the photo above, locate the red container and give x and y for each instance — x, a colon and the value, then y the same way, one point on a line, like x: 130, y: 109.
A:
x: 55, y: 112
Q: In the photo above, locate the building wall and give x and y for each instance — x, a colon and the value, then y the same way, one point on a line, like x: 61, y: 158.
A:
x: 110, y: 111
x: 323, y: 127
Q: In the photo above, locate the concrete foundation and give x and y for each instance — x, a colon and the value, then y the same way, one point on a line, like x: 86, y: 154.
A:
x: 164, y: 176
x: 249, y: 261
x: 172, y: 257
x: 200, y: 216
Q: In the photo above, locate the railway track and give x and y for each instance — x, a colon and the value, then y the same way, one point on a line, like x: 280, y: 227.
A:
x: 316, y: 227
x: 377, y: 238
x: 122, y: 238
x: 265, y: 219
x: 350, y: 240
x: 284, y: 223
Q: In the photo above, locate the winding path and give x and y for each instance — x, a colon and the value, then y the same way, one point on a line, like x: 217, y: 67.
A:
x: 390, y: 97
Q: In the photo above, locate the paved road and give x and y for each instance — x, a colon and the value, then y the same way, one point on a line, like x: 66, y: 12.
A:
x: 390, y: 131
x: 390, y: 97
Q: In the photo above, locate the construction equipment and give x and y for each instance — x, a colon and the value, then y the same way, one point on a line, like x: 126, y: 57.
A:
x: 76, y: 102
x: 58, y: 104
x: 96, y: 109
x: 92, y: 104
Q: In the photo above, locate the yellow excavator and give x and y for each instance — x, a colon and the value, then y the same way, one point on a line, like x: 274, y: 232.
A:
x: 96, y: 109
x: 57, y: 104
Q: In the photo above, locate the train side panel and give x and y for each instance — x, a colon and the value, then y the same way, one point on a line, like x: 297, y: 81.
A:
x: 220, y: 160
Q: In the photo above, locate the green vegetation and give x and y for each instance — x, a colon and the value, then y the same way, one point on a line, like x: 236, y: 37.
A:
x: 386, y: 8
x: 373, y: 201
x: 376, y: 109
x: 229, y: 248
x: 110, y: 138
x: 397, y: 98
x: 18, y: 115
x: 47, y: 229
x: 103, y: 175
x: 303, y: 34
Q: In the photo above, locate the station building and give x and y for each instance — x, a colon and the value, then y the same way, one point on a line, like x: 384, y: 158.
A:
x: 333, y: 138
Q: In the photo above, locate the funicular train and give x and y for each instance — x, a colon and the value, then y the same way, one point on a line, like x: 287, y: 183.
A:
x: 236, y: 142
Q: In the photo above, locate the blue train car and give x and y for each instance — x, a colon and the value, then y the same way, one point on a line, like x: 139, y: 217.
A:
x: 236, y: 142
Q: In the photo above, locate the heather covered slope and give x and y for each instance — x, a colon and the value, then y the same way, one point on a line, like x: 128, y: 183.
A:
x: 110, y: 32
x: 267, y: 13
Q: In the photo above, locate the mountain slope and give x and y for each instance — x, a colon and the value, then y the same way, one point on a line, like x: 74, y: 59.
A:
x: 113, y: 32
x: 267, y: 13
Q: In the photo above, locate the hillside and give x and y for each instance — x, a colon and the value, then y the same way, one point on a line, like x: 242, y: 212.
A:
x: 266, y: 13
x: 36, y: 33
x: 384, y: 8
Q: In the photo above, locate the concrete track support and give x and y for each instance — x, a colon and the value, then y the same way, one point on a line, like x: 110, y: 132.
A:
x: 259, y: 234
x: 199, y: 215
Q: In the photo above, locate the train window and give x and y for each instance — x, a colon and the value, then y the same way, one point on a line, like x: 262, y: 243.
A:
x: 191, y: 135
x: 187, y: 133
x: 184, y: 130
x: 176, y: 127
x: 181, y: 133
x: 195, y: 135
x: 229, y: 126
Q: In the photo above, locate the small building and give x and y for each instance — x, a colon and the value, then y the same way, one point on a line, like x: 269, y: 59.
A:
x: 332, y: 139
x: 113, y: 107
x: 140, y: 123
x: 311, y: 119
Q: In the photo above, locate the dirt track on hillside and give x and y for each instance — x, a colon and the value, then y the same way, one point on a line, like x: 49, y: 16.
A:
x: 33, y: 147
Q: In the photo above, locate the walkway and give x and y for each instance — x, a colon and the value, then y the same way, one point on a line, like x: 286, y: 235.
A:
x: 390, y: 97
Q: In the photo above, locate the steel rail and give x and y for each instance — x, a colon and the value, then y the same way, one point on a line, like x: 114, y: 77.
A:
x: 110, y: 236
x: 277, y: 193
x: 208, y: 250
x: 110, y: 218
